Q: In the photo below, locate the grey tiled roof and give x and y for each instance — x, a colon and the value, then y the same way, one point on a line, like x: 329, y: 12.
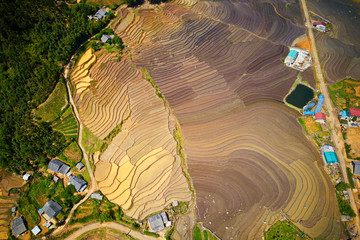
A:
x: 51, y: 208
x: 79, y: 184
x: 64, y: 169
x: 55, y: 165
x: 18, y: 226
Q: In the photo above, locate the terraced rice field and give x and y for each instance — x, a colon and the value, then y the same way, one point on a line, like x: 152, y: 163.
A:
x: 219, y: 66
x: 140, y: 169
x: 339, y: 50
x: 67, y: 124
x: 6, y: 203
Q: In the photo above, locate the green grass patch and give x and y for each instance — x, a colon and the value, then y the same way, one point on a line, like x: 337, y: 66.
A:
x: 344, y: 206
x: 197, y: 233
x: 205, y: 235
x: 151, y: 234
x: 72, y: 154
x: 169, y: 233
x: 351, y: 180
x: 302, y: 123
x: 51, y: 108
x: 90, y: 142
x: 181, y: 208
x: 285, y: 230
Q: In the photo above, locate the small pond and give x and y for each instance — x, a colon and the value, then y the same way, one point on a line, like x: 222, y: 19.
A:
x: 300, y: 96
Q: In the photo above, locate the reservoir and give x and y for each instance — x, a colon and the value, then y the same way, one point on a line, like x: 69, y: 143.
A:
x: 300, y: 96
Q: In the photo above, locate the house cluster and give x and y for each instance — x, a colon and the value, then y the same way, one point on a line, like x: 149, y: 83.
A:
x: 100, y: 14
x: 61, y: 170
x: 320, y: 26
x: 349, y: 118
x: 299, y: 59
x: 318, y: 116
x: 48, y: 212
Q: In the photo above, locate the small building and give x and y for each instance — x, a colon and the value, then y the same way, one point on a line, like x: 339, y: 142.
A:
x: 80, y: 166
x: 97, y: 196
x: 158, y: 222
x: 100, y: 14
x: 55, y: 178
x: 50, y: 210
x: 331, y: 157
x: 69, y: 174
x: 18, y: 226
x: 36, y: 230
x: 321, y: 26
x: 105, y: 38
x: 175, y: 203
x: 291, y: 57
x: 47, y: 224
x: 344, y: 115
x: 13, y: 209
x: 57, y: 166
x: 26, y: 177
x: 354, y: 112
x: 356, y: 167
x: 79, y: 184
x: 320, y: 117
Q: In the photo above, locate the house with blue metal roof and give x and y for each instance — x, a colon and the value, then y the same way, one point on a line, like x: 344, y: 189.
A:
x: 344, y: 115
x: 331, y: 157
x: 291, y: 57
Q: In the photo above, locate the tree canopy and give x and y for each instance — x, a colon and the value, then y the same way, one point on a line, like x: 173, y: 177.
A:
x: 37, y: 37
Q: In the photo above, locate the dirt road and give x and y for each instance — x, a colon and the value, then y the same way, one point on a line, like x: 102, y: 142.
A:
x: 332, y: 118
x: 86, y: 157
x: 112, y: 225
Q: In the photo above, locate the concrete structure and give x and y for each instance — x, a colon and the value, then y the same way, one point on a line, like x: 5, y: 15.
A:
x: 356, y: 167
x: 104, y: 38
x: 159, y: 222
x: 18, y: 226
x: 320, y: 117
x: 97, y: 196
x: 100, y: 14
x: 299, y: 59
x: 79, y: 184
x: 36, y: 230
x: 13, y: 209
x: 354, y: 112
x: 26, y: 176
x: 50, y: 210
x: 344, y: 115
x: 175, y: 203
x: 58, y: 166
x: 80, y: 166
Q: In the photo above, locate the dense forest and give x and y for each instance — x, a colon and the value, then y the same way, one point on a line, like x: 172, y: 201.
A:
x: 37, y: 38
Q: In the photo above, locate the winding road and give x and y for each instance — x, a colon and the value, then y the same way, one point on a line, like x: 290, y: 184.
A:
x: 332, y: 118
x: 86, y: 157
x: 112, y: 225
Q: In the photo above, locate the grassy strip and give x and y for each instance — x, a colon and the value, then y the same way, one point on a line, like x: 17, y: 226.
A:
x: 351, y: 180
x: 112, y: 134
x: 197, y: 233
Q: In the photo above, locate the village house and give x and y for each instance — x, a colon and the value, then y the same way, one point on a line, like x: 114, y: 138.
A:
x: 26, y: 177
x: 36, y: 230
x: 100, y: 14
x: 79, y: 184
x: 321, y: 26
x: 97, y: 196
x: 356, y: 167
x: 344, y: 115
x: 320, y: 117
x: 18, y: 226
x: 104, y: 38
x: 354, y: 112
x: 80, y: 166
x: 159, y: 222
x: 50, y: 210
x: 57, y: 166
x: 328, y: 154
